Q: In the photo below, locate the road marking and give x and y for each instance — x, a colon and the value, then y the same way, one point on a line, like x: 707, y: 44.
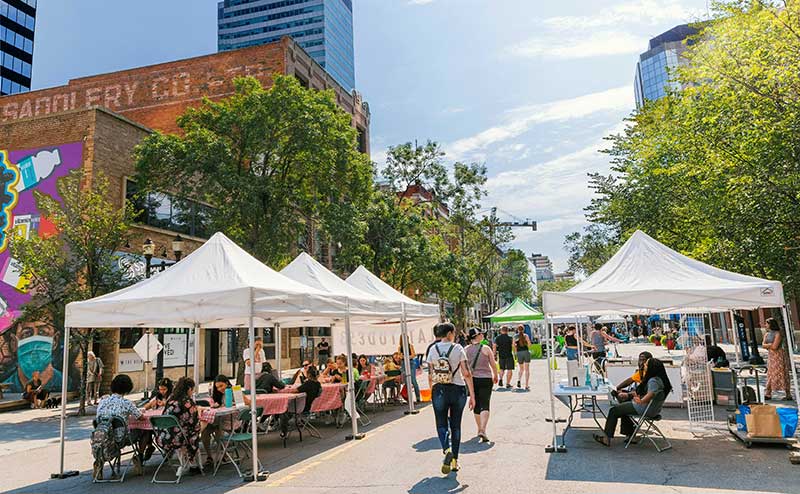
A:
x: 336, y: 452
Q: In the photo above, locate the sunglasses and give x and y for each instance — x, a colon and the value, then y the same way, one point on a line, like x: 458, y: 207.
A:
x: 306, y: 364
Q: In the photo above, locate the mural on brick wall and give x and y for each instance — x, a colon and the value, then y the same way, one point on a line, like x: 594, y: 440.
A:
x: 28, y: 347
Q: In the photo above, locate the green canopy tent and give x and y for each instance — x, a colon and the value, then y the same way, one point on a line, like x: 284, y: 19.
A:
x: 516, y: 311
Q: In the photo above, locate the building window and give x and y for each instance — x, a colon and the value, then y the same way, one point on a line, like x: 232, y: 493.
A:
x: 129, y: 336
x: 169, y: 212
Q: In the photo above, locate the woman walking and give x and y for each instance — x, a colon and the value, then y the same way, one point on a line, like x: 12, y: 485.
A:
x: 777, y: 361
x: 449, y: 378
x: 484, y: 375
x: 522, y: 344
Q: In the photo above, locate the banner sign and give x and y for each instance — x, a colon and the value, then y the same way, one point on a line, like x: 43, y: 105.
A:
x: 380, y: 340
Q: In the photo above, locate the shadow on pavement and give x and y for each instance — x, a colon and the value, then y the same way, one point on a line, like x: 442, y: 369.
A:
x: 717, y: 461
x: 438, y: 485
x: 474, y: 445
x: 430, y: 444
x: 272, y: 454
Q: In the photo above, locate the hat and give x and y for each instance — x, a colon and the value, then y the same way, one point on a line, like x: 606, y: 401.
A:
x: 473, y: 332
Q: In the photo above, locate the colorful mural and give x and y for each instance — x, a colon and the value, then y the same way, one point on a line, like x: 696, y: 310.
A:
x: 26, y: 348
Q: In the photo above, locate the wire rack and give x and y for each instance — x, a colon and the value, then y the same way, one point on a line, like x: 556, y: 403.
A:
x: 699, y: 393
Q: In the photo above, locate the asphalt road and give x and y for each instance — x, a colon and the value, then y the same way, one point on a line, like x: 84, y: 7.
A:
x: 400, y: 454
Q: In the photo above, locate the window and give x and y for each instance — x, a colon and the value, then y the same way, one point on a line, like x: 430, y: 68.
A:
x: 172, y: 213
x: 129, y: 336
x: 6, y: 86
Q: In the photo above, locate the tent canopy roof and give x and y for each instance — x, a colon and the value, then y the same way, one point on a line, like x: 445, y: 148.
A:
x: 645, y: 276
x: 219, y: 285
x: 516, y: 311
x: 367, y: 282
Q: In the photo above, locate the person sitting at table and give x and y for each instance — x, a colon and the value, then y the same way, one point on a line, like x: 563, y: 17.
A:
x: 311, y: 387
x: 624, y: 391
x: 159, y: 400
x: 391, y: 367
x: 365, y: 369
x: 339, y: 374
x: 649, y: 396
x: 35, y: 392
x: 117, y: 405
x: 302, y: 374
x: 326, y: 375
x: 185, y: 440
x: 267, y: 380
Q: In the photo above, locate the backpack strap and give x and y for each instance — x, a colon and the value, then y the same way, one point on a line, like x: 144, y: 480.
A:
x: 477, y: 354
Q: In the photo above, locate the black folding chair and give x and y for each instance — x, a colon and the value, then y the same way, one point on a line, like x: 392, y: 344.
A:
x: 122, y: 438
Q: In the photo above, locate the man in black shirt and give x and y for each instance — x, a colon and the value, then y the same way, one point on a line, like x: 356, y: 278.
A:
x: 267, y: 380
x: 503, y: 349
x: 323, y: 353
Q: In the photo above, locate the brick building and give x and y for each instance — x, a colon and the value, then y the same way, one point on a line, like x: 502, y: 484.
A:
x: 94, y: 123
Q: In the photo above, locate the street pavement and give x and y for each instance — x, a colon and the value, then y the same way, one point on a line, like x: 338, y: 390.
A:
x: 400, y: 454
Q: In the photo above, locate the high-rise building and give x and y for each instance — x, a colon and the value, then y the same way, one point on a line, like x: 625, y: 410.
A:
x: 324, y: 28
x: 544, y: 267
x: 17, y: 24
x: 655, y: 66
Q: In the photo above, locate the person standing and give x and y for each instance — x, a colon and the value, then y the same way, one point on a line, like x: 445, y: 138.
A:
x: 777, y: 361
x: 412, y: 364
x: 449, y: 378
x: 522, y: 346
x: 503, y: 349
x: 598, y: 339
x: 323, y: 353
x: 484, y: 375
x: 94, y: 376
x: 257, y: 363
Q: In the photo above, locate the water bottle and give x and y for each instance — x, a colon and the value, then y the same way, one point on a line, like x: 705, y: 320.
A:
x: 594, y: 381
x: 228, y: 397
x: 588, y: 380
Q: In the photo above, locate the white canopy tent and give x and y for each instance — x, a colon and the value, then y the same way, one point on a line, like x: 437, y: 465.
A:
x: 647, y: 277
x: 217, y: 286
x: 365, y: 309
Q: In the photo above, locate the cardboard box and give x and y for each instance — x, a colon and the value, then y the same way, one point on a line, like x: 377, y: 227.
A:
x: 763, y: 421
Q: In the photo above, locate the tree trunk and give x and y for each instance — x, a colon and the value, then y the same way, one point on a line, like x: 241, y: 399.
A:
x: 242, y: 342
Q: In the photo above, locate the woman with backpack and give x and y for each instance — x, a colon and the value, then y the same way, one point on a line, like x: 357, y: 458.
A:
x: 484, y: 377
x: 449, y: 377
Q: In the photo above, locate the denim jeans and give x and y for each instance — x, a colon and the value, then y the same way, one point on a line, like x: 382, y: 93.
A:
x: 413, y: 378
x: 448, y: 406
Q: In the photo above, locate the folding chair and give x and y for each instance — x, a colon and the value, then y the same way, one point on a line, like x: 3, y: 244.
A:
x: 164, y: 423
x: 646, y: 428
x: 121, y: 433
x: 234, y: 444
x: 362, y: 390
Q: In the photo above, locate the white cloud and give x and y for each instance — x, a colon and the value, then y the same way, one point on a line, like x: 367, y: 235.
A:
x: 522, y: 119
x: 650, y: 12
x: 596, y: 44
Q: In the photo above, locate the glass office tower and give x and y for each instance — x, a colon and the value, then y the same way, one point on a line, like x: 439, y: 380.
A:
x: 653, y: 71
x: 324, y: 28
x: 17, y: 24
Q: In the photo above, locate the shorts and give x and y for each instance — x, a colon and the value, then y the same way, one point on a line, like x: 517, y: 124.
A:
x: 507, y: 363
x: 524, y: 356
x: 483, y: 393
x: 572, y: 354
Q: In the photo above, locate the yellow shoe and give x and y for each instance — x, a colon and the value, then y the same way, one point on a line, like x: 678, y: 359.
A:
x: 448, y: 461
x: 454, y: 465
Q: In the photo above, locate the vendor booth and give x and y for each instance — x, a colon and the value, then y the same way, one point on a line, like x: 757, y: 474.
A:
x: 519, y: 311
x: 646, y: 277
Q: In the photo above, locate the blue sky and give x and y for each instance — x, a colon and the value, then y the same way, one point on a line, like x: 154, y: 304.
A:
x: 528, y: 87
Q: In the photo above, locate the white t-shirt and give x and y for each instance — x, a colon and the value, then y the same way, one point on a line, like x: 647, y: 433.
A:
x: 457, y: 355
x: 259, y: 363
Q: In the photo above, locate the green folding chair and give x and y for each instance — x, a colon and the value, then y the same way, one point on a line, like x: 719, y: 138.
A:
x: 236, y: 445
x: 164, y: 423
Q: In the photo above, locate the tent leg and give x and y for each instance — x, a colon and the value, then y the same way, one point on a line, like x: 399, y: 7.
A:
x: 790, y: 344
x: 278, y: 347
x: 407, y: 360
x: 62, y: 474
x: 736, y: 339
x: 350, y: 384
x: 251, y: 334
x: 196, y: 366
x: 554, y: 447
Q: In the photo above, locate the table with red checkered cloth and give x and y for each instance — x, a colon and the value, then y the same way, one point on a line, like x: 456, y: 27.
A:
x: 330, y: 399
x: 143, y: 423
x: 210, y: 415
x: 278, y: 403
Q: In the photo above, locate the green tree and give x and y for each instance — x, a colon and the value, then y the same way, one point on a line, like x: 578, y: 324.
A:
x: 516, y: 279
x: 77, y: 263
x: 591, y: 249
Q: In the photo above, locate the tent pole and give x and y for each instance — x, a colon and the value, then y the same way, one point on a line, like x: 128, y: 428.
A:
x: 64, y: 380
x: 790, y: 344
x: 251, y: 334
x: 736, y: 338
x: 196, y: 366
x: 551, y: 356
x: 278, y: 347
x: 350, y: 384
x: 406, y: 359
x: 580, y: 340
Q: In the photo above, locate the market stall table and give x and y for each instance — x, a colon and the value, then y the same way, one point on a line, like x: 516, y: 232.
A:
x: 330, y: 399
x: 143, y: 422
x: 575, y: 399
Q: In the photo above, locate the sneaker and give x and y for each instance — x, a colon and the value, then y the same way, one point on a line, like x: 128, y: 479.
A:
x: 181, y: 471
x: 484, y: 437
x: 508, y: 386
x: 500, y: 383
x: 519, y: 385
x: 447, y: 463
x: 454, y: 465
x: 97, y: 471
